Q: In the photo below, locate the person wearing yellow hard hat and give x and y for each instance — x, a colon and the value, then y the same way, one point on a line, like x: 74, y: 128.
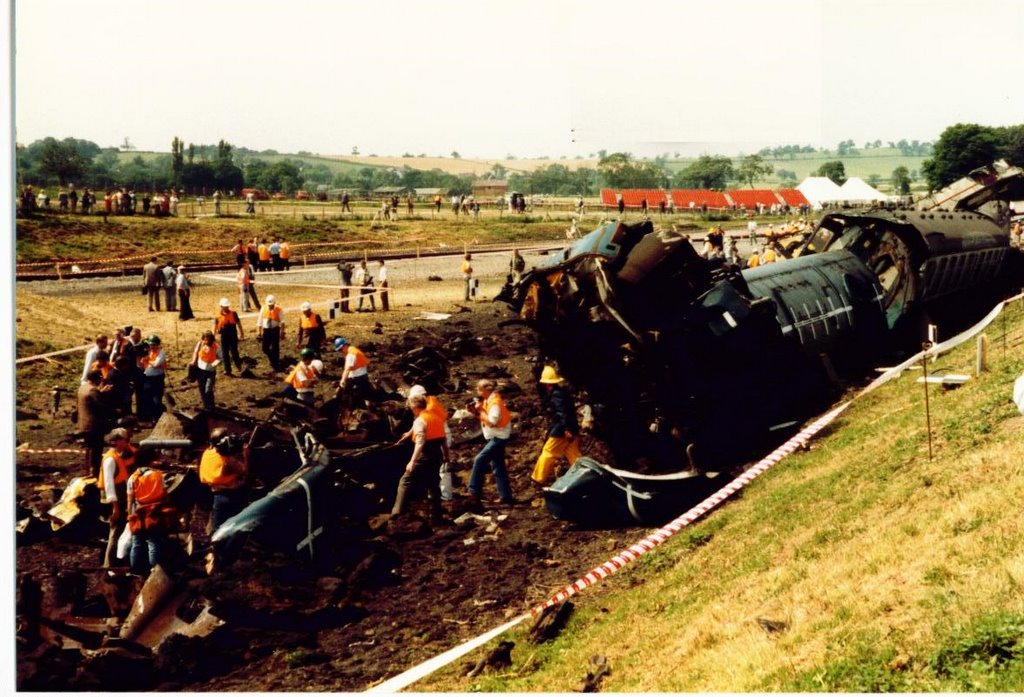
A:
x: 562, y: 428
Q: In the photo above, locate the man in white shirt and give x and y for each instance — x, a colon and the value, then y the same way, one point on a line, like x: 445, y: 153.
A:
x: 90, y: 356
x: 382, y: 283
x: 496, y: 423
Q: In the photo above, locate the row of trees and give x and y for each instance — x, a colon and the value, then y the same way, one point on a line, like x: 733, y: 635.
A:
x: 205, y: 168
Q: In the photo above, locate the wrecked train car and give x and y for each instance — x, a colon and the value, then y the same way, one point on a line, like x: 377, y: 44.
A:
x: 690, y: 361
x: 686, y: 358
x: 952, y: 250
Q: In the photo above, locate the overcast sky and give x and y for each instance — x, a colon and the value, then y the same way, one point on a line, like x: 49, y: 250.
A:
x: 521, y: 77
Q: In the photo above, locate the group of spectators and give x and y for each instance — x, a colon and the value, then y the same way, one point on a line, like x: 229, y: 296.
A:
x: 172, y: 283
x: 121, y: 201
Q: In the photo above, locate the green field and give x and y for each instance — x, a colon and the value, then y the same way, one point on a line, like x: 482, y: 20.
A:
x: 880, y: 161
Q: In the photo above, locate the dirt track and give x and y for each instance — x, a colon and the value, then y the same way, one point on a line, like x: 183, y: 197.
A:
x: 288, y: 627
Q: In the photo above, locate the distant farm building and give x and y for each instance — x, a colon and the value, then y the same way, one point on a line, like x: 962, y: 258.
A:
x: 490, y: 188
x: 389, y: 191
x: 429, y: 192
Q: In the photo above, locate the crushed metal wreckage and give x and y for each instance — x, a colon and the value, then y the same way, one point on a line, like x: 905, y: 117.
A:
x: 316, y: 485
x: 692, y: 365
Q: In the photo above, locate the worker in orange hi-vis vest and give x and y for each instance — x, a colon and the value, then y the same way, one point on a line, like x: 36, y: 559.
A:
x: 227, y: 323
x: 270, y: 331
x: 496, y: 422
x: 118, y: 463
x: 430, y: 451
x: 224, y: 468
x: 151, y: 517
x: 355, y: 377
x: 303, y: 378
x: 203, y: 367
x: 312, y: 328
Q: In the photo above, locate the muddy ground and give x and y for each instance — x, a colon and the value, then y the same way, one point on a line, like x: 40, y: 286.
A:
x: 290, y: 626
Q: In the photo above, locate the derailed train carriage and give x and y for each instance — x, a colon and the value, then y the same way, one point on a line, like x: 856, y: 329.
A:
x: 693, y: 365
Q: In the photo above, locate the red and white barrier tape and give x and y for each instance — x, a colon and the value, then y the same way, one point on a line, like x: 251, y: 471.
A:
x: 659, y: 536
x: 632, y: 553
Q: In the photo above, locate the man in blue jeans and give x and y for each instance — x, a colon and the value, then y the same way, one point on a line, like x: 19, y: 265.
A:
x: 496, y: 423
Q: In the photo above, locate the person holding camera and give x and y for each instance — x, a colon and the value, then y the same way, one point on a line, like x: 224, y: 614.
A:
x: 224, y: 468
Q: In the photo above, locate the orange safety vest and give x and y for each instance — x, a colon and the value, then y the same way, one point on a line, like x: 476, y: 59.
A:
x: 104, y: 369
x: 150, y: 357
x: 264, y: 252
x: 224, y: 319
x: 208, y: 354
x: 302, y: 380
x: 466, y: 267
x: 284, y: 250
x: 754, y: 261
x: 273, y: 314
x: 503, y: 419
x: 311, y: 322
x: 434, y: 425
x: 434, y: 406
x: 220, y: 472
x: 148, y: 486
x: 123, y: 462
x: 150, y: 508
x: 361, y: 360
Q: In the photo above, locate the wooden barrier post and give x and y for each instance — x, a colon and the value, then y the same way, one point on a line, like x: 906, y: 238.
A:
x: 927, y: 407
x: 981, y: 360
x: 304, y: 261
x: 59, y: 276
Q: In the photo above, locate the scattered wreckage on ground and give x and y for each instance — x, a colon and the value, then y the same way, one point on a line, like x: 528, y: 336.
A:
x: 692, y: 365
x: 321, y: 480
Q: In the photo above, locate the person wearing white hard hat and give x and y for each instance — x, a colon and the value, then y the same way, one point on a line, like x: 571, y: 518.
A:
x: 436, y: 407
x: 312, y: 327
x: 227, y: 324
x: 269, y: 330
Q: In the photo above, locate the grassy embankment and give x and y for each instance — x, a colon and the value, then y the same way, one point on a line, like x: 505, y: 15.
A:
x: 80, y: 238
x: 890, y: 571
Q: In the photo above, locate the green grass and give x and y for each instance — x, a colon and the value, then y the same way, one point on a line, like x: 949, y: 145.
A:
x: 890, y: 570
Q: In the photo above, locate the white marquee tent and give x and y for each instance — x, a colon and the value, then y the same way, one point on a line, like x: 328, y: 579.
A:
x: 819, y: 190
x: 856, y: 190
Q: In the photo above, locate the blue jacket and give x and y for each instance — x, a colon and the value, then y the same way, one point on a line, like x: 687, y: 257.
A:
x: 562, y: 413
